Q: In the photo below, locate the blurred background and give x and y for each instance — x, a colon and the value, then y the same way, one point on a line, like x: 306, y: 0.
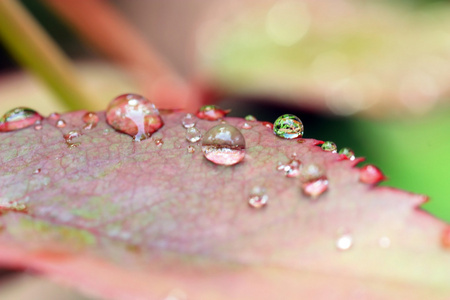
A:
x: 370, y: 75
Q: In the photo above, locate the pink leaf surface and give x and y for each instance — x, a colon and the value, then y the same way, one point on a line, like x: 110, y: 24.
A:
x: 138, y: 220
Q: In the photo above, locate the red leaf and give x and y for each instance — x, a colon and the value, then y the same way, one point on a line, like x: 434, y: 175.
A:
x: 135, y: 220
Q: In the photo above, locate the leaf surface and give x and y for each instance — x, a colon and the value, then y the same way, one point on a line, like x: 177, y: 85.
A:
x: 138, y: 220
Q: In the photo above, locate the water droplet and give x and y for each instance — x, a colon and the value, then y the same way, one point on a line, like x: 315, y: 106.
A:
x: 60, y: 123
x: 54, y: 116
x: 159, y: 142
x: 246, y: 126
x: 193, y: 135
x: 73, y: 145
x: 370, y: 174
x: 268, y: 125
x: 37, y: 171
x: 224, y: 145
x: 106, y: 131
x: 211, y: 113
x: 312, y: 171
x: 250, y: 118
x: 347, y: 153
x: 384, y: 242
x: 91, y: 120
x: 344, y: 242
x: 288, y: 127
x: 189, y: 120
x: 71, y: 135
x: 258, y: 197
x: 191, y: 149
x: 134, y: 115
x: 12, y: 205
x: 329, y: 146
x: 38, y: 125
x: 315, y: 188
x: 291, y: 169
x: 18, y: 118
x: 445, y: 238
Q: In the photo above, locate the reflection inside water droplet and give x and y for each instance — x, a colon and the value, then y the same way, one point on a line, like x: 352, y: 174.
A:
x: 18, y: 118
x: 224, y: 144
x: 258, y: 197
x: 193, y: 135
x: 134, y: 115
x: 188, y: 121
x: 288, y: 127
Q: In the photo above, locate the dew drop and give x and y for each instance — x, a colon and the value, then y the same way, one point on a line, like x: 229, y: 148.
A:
x: 73, y: 145
x: 347, y: 153
x: 246, y: 126
x: 18, y: 118
x: 54, y: 116
x: 312, y: 171
x: 291, y: 169
x: 60, y: 123
x: 191, y: 149
x: 288, y: 127
x: 370, y: 174
x: 344, y: 242
x: 193, y: 135
x: 159, y: 142
x: 329, y: 146
x: 250, y: 118
x: 134, y: 115
x: 12, y: 205
x: 71, y: 135
x: 37, y: 171
x: 315, y: 188
x: 258, y: 197
x: 91, y: 120
x: 211, y: 112
x: 224, y: 144
x: 38, y: 125
x: 268, y: 125
x: 188, y: 121
x: 445, y: 238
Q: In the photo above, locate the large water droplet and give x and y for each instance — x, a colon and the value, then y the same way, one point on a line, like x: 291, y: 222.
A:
x: 60, y: 123
x: 344, y: 242
x: 193, y: 135
x: 134, y: 115
x: 288, y: 127
x: 250, y: 118
x: 211, y: 113
x: 370, y: 174
x: 258, y: 197
x: 18, y: 118
x: 188, y: 121
x: 329, y: 146
x: 315, y: 188
x: 347, y: 153
x: 224, y: 145
x: 90, y: 120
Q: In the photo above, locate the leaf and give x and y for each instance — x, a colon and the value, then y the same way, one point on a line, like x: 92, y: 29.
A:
x: 134, y: 220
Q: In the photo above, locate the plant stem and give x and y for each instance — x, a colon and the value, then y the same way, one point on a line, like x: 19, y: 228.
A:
x: 33, y: 48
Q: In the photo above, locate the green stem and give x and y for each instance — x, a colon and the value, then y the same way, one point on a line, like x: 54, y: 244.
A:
x: 34, y: 49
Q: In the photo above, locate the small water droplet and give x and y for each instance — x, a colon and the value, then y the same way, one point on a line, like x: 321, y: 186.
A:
x: 193, y: 135
x: 188, y: 121
x: 211, y: 112
x: 71, y: 135
x: 54, y: 116
x: 250, y: 118
x: 134, y: 115
x: 246, y: 126
x: 347, y: 153
x: 37, y: 171
x: 224, y: 144
x: 73, y: 145
x: 106, y: 131
x: 91, y: 120
x: 38, y: 125
x: 329, y: 146
x: 191, y: 149
x: 370, y: 174
x: 288, y: 127
x: 384, y: 242
x: 315, y: 188
x: 291, y: 169
x: 159, y: 142
x: 344, y: 242
x: 18, y: 118
x: 12, y: 205
x: 258, y: 197
x: 268, y: 125
x: 60, y: 123
x: 312, y: 171
x: 445, y: 238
